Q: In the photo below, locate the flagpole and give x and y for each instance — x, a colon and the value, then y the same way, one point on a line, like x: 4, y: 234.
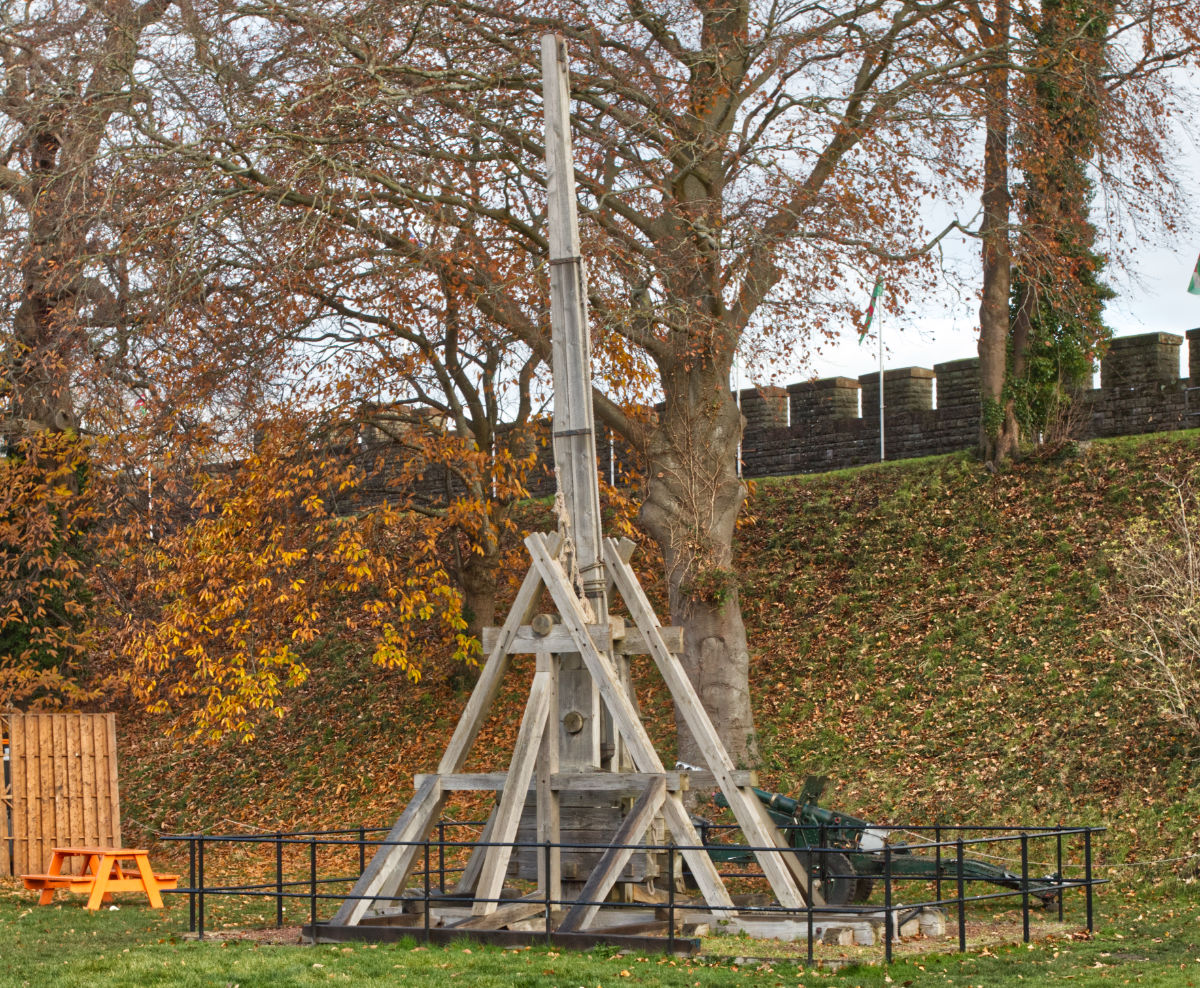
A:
x: 879, y: 331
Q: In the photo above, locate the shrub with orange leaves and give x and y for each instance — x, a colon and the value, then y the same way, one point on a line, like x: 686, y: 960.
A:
x: 266, y: 569
x: 45, y: 513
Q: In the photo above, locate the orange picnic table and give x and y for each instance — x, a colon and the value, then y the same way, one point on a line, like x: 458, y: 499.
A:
x: 103, y: 874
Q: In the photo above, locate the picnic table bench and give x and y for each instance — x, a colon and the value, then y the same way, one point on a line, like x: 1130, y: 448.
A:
x: 103, y: 874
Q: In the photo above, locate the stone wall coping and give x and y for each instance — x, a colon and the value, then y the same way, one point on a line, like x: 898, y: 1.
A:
x: 1143, y: 339
x: 899, y: 374
x: 963, y: 363
x: 824, y: 384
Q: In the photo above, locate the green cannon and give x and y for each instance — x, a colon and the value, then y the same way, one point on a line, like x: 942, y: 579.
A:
x: 845, y: 855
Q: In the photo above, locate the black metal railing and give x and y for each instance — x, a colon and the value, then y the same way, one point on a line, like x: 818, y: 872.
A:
x: 948, y: 844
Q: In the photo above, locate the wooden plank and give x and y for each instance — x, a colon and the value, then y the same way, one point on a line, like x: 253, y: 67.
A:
x: 8, y: 806
x: 512, y: 799
x: 62, y: 792
x: 469, y: 878
x: 782, y: 870
x: 527, y: 642
x: 103, y: 806
x: 599, y: 665
x: 549, y: 863
x: 490, y: 679
x: 87, y: 750
x: 390, y: 866
x: 614, y: 783
x: 635, y: 643
x: 512, y: 912
x: 20, y: 799
x: 114, y: 789
x: 613, y: 861
x: 704, y: 871
x: 46, y: 788
x: 75, y: 833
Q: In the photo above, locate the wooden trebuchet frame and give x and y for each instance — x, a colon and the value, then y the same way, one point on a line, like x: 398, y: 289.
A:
x: 581, y: 673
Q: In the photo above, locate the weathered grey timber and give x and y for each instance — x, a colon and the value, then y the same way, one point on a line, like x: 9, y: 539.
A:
x: 582, y: 693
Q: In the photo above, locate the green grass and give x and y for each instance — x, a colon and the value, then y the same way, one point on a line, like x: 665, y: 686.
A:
x: 1144, y: 937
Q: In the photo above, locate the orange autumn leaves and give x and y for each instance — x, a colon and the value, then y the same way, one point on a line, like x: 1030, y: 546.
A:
x: 268, y: 570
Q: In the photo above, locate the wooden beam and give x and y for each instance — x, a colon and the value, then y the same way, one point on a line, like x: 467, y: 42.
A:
x: 612, y: 862
x: 782, y: 869
x: 470, y: 874
x: 614, y: 783
x: 488, y: 686
x: 528, y: 642
x: 512, y: 800
x: 512, y: 912
x: 549, y: 829
x: 390, y: 866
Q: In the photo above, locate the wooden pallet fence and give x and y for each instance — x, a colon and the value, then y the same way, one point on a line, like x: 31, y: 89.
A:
x: 62, y: 787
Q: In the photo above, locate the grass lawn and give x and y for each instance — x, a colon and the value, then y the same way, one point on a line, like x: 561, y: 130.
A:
x: 1144, y: 937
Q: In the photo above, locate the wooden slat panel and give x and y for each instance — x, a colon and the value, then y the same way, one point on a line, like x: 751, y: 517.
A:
x: 87, y: 788
x: 75, y: 834
x: 5, y: 803
x: 114, y: 791
x: 19, y: 766
x: 64, y: 785
x: 103, y: 809
x: 45, y: 736
x: 58, y: 762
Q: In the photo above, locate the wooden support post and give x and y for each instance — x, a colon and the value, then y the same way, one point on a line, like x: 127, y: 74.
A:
x: 392, y: 864
x: 470, y: 874
x: 548, y: 819
x: 488, y: 686
x: 787, y: 877
x: 512, y: 800
x: 613, y: 861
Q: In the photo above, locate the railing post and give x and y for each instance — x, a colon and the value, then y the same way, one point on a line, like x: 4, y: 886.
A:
x: 889, y: 921
x: 442, y: 856
x: 962, y: 900
x: 362, y: 849
x: 1024, y: 888
x: 192, y: 884
x: 547, y: 851
x: 279, y: 879
x: 200, y: 892
x: 1059, y: 873
x: 808, y: 901
x: 1087, y: 873
x: 427, y: 890
x: 937, y: 873
x: 312, y: 887
x: 671, y: 898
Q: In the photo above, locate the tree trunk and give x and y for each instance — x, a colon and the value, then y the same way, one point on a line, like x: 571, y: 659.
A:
x: 478, y: 575
x: 999, y: 432
x: 691, y: 508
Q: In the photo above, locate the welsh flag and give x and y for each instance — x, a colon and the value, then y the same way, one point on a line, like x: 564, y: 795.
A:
x: 1194, y: 284
x: 875, y: 293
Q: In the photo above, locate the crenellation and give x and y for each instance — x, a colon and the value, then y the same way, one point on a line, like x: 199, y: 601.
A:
x: 815, y: 426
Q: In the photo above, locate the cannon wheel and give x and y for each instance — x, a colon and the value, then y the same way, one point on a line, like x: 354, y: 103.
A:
x: 835, y: 876
x: 863, y: 888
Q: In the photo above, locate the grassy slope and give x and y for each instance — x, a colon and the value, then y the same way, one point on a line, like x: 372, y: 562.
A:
x: 931, y: 637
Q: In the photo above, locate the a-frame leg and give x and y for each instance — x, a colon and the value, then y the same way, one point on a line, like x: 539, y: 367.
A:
x: 512, y: 799
x: 390, y: 867
x: 470, y: 874
x: 549, y: 829
x: 612, y: 862
x: 641, y: 749
x: 786, y: 875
